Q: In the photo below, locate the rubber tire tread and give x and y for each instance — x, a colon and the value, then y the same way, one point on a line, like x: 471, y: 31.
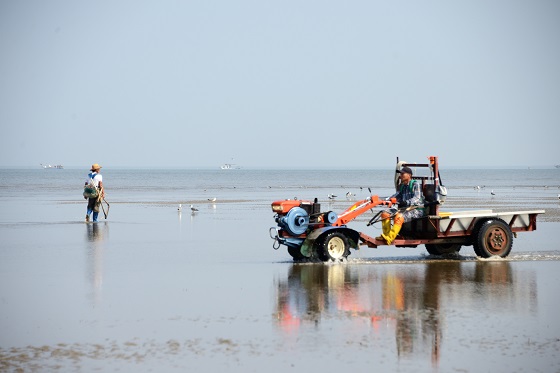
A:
x: 442, y: 249
x: 479, y: 241
x: 323, y: 249
x: 296, y: 253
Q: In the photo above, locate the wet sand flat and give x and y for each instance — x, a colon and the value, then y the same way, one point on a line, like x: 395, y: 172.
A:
x: 154, y: 289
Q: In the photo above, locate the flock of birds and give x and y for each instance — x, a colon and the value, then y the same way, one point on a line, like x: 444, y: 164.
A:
x: 193, y: 208
x: 477, y: 188
x: 349, y: 196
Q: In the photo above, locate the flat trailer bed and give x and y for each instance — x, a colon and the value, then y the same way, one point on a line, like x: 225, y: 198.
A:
x: 448, y: 231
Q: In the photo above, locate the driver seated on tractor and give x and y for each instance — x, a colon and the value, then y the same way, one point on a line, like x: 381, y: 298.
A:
x: 410, y: 201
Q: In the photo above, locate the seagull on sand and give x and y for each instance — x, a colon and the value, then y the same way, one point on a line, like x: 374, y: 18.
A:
x: 180, y: 207
x: 193, y: 209
x: 212, y: 199
x: 331, y: 196
x: 492, y: 192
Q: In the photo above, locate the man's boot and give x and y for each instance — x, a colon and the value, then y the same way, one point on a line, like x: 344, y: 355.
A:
x: 385, y: 225
x: 389, y: 238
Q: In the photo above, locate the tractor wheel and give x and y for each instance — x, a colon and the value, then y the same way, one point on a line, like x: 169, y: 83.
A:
x: 334, y: 247
x: 443, y: 248
x: 295, y: 252
x: 494, y: 238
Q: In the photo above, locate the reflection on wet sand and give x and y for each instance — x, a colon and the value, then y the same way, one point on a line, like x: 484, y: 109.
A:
x: 95, y: 236
x: 412, y: 301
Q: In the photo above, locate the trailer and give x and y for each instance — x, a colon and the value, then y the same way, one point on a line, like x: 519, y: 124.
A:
x: 309, y: 233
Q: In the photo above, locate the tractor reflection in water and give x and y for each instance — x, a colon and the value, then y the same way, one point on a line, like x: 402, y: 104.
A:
x: 386, y: 299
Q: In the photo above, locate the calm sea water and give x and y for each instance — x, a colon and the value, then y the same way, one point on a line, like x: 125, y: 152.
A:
x: 152, y: 288
x: 265, y: 185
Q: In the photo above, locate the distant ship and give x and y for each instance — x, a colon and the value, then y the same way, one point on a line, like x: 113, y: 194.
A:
x: 229, y: 166
x: 57, y: 166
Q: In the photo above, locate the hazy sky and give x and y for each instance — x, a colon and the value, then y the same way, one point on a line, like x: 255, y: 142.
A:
x: 279, y: 83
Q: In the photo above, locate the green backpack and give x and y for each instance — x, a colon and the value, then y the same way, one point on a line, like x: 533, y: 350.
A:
x: 90, y: 190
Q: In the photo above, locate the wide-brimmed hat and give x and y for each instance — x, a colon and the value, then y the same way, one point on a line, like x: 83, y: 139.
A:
x: 95, y: 166
x: 406, y: 170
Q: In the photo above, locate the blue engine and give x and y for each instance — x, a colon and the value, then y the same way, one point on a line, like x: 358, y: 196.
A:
x: 294, y: 225
x: 295, y: 222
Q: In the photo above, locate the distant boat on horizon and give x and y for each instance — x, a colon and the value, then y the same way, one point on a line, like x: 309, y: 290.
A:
x: 229, y: 166
x: 56, y: 166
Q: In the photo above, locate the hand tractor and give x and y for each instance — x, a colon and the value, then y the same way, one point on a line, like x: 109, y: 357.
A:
x: 310, y: 234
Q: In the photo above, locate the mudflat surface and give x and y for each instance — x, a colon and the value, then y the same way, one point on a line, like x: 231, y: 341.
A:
x: 155, y: 289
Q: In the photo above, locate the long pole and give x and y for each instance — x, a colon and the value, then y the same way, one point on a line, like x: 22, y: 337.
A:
x: 101, y: 199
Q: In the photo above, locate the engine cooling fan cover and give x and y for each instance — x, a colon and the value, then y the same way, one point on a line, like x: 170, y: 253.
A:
x: 296, y: 221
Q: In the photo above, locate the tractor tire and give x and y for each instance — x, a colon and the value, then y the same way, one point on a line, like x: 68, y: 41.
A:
x: 334, y: 247
x: 493, y: 238
x: 444, y: 248
x: 296, y: 253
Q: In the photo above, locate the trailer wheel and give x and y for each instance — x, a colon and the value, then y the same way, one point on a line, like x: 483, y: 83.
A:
x: 334, y: 247
x: 443, y: 248
x: 296, y: 253
x: 494, y: 238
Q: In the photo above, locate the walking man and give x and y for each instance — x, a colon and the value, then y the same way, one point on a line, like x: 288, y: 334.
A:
x: 94, y: 192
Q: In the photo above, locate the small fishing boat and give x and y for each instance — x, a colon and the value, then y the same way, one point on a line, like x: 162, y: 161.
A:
x: 56, y: 166
x: 229, y: 166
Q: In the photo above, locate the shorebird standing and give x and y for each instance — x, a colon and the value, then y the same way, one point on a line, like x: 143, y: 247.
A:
x: 193, y: 209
